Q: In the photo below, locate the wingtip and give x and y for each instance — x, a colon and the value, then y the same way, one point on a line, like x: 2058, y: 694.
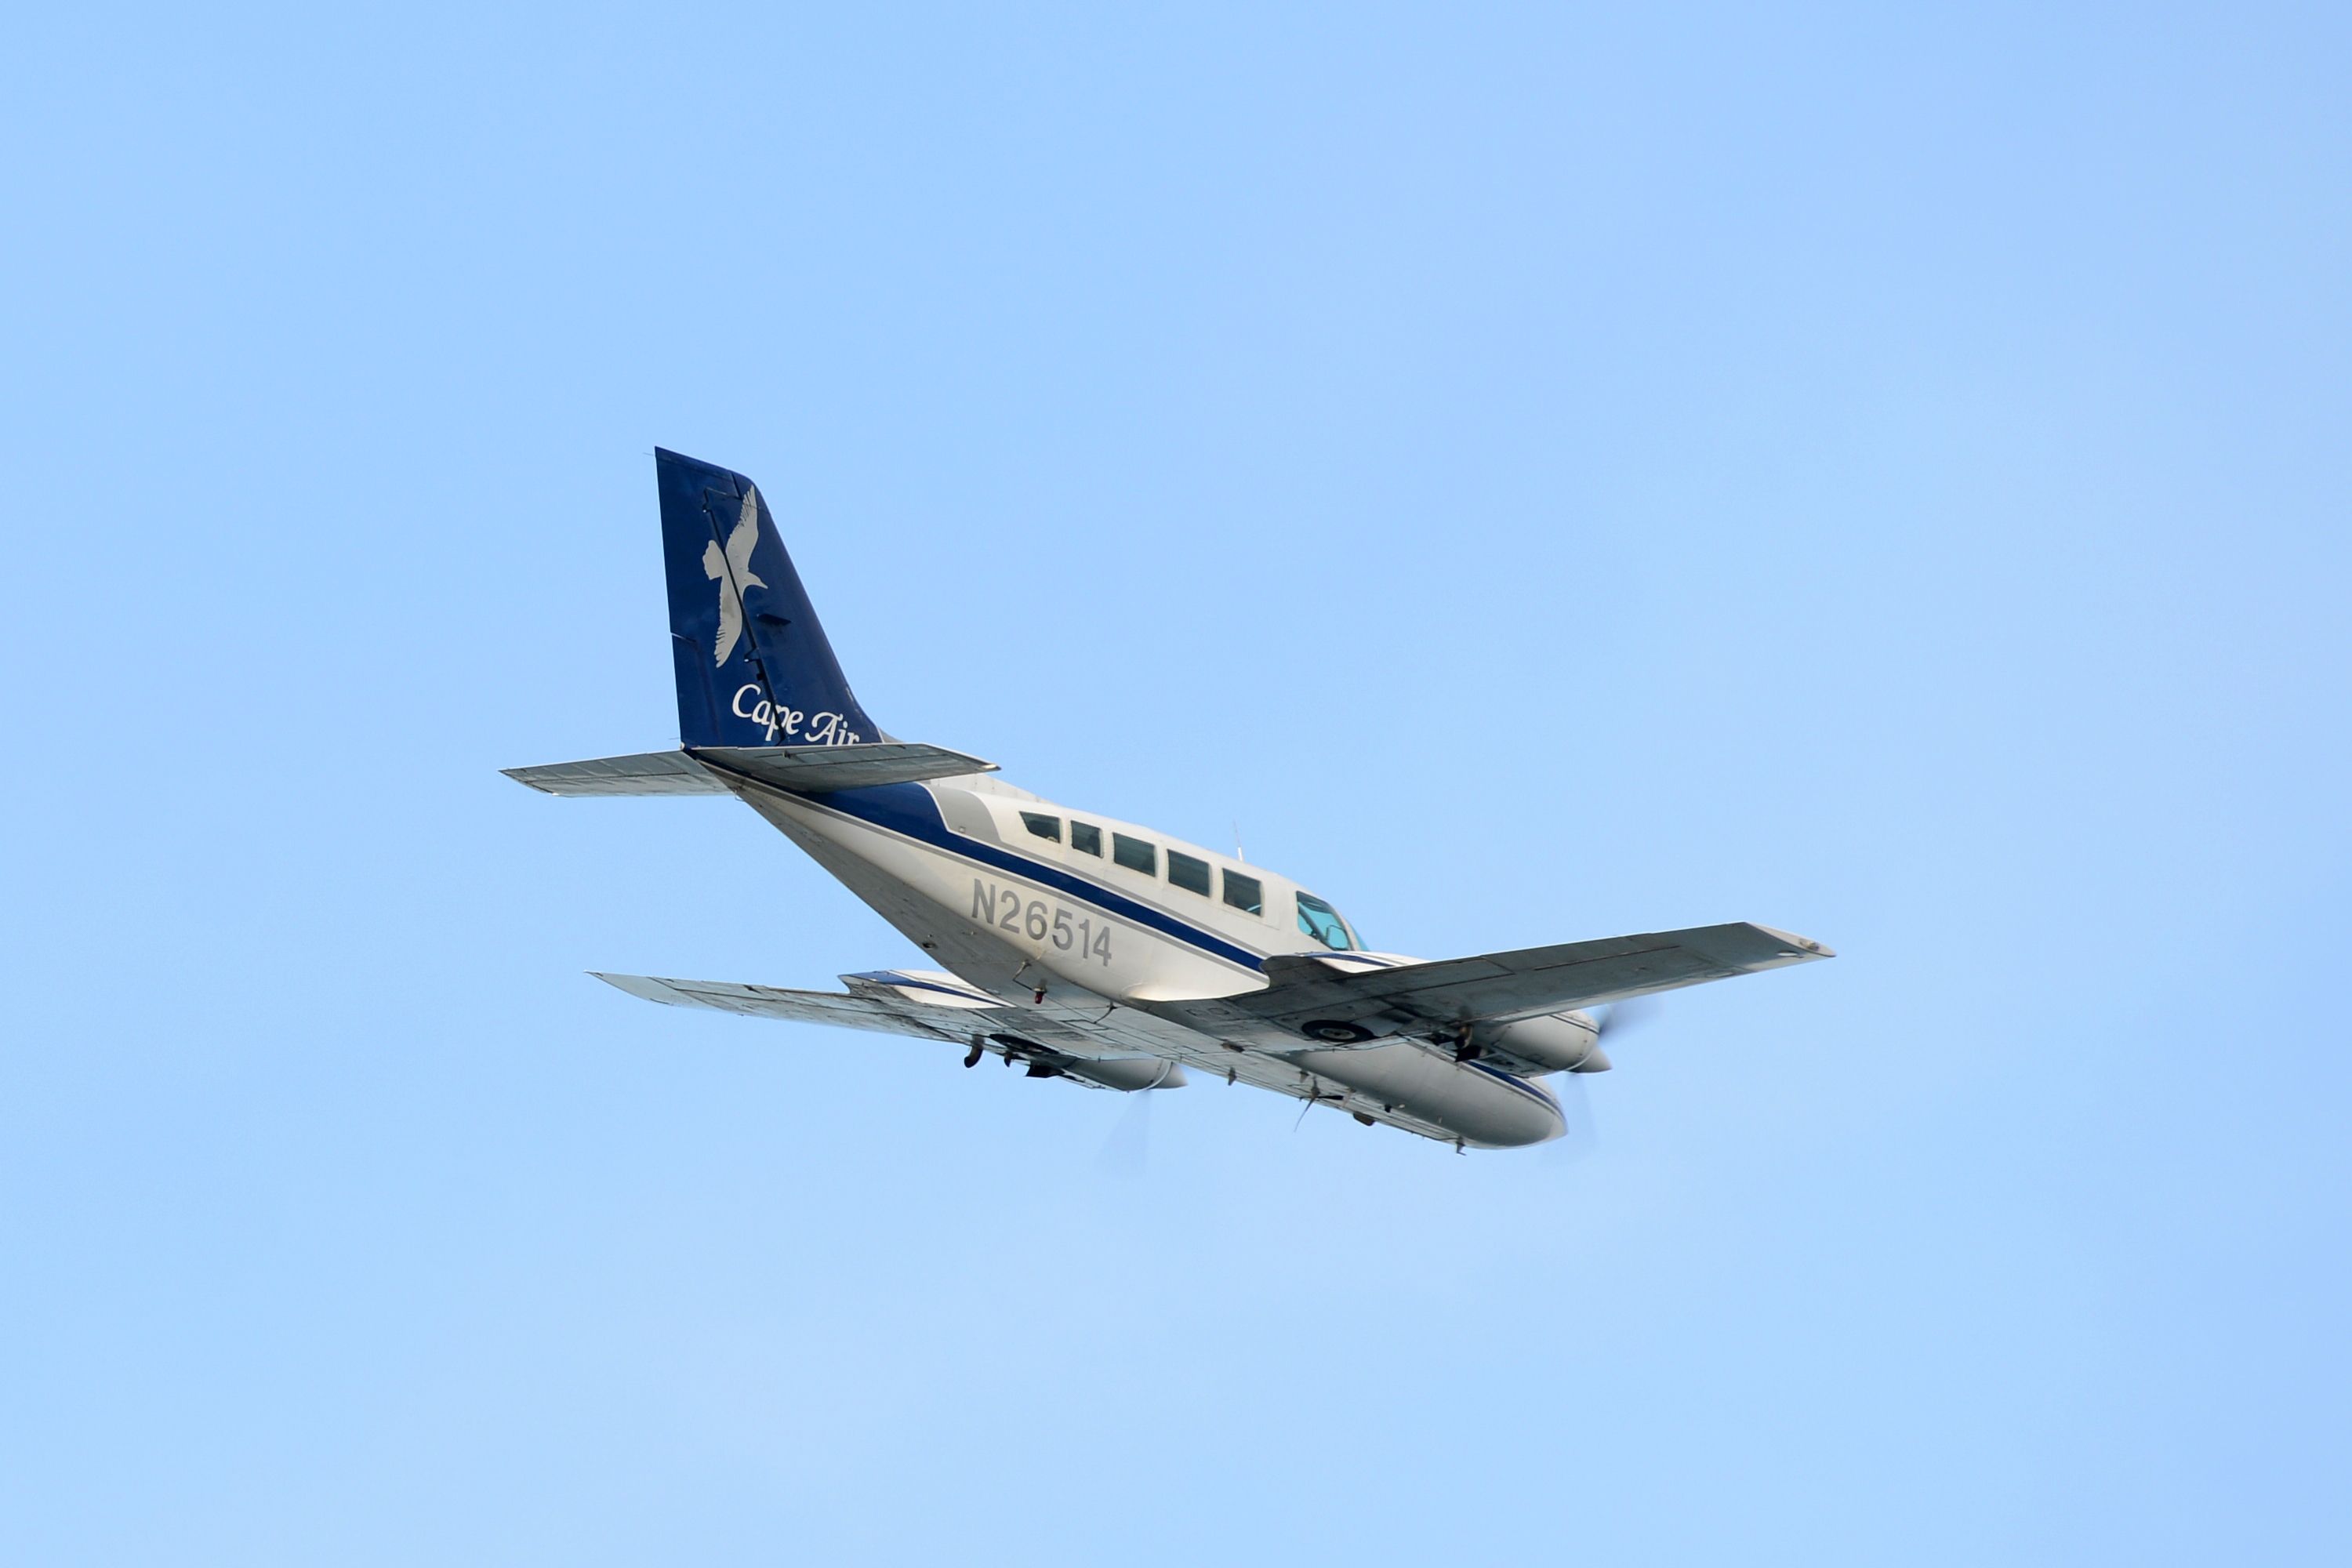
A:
x: 1797, y: 946
x: 642, y: 986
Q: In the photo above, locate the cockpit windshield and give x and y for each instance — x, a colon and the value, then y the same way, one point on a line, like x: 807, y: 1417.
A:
x: 1321, y: 922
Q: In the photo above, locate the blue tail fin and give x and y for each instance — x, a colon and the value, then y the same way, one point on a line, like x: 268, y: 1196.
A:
x: 754, y: 666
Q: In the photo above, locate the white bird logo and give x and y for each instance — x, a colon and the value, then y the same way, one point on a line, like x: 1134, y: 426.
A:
x: 732, y: 571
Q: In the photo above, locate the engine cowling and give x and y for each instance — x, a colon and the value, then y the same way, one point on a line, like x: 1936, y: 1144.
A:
x: 1128, y: 1073
x: 1557, y: 1041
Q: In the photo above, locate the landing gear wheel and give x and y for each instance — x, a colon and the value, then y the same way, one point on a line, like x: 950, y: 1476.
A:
x: 1332, y: 1032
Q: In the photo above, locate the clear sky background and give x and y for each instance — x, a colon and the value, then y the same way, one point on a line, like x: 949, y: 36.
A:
x: 1539, y: 474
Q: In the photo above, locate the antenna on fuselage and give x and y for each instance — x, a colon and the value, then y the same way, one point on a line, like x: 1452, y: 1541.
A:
x: 1237, y: 844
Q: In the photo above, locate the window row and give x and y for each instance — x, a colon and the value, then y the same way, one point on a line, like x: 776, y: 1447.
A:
x: 1189, y: 872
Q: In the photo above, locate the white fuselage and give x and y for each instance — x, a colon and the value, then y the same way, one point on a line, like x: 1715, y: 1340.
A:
x: 1132, y: 957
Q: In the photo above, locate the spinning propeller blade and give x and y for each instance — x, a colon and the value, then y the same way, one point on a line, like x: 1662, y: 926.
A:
x: 1583, y: 1134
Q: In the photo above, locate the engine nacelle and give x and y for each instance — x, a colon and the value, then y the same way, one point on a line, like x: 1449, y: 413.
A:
x: 1557, y: 1042
x: 1128, y: 1073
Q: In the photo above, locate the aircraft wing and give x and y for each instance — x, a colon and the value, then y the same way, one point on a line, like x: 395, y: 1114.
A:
x: 889, y: 1004
x: 1412, y: 997
x: 927, y: 1005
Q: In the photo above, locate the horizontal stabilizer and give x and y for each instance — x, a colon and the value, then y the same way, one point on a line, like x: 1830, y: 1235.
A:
x: 648, y: 772
x: 816, y: 770
x: 803, y: 770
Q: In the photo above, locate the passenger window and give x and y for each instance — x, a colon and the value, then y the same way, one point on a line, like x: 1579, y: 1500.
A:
x: 1321, y: 922
x: 1041, y: 826
x: 1086, y: 838
x: 1244, y: 893
x: 1188, y: 872
x: 1134, y: 854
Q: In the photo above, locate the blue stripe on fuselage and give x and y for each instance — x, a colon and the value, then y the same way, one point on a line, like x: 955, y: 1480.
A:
x: 910, y: 809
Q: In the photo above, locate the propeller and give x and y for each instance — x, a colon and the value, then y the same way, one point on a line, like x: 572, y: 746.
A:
x: 1581, y: 1137
x: 1126, y: 1152
x: 1583, y: 1134
x: 1622, y: 1017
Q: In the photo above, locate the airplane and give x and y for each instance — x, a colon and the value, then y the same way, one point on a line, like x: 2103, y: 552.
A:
x: 1070, y: 942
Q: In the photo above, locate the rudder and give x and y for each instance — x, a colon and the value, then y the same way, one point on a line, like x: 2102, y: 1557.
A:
x: 752, y: 663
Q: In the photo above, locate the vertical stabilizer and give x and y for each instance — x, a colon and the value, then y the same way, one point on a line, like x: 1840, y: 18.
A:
x: 753, y: 665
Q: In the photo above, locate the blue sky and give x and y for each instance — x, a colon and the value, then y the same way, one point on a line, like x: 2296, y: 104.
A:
x: 1537, y: 475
